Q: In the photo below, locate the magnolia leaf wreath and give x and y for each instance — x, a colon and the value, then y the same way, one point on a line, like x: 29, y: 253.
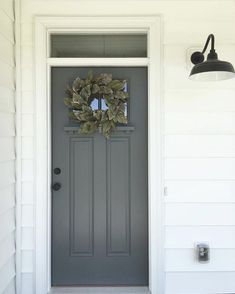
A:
x: 84, y: 91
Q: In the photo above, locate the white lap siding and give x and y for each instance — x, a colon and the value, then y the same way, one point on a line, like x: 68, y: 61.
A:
x: 7, y: 149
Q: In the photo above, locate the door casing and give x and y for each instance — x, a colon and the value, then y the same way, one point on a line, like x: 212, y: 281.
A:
x: 44, y: 26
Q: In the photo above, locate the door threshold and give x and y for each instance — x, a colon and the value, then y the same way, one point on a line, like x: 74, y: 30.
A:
x: 99, y: 290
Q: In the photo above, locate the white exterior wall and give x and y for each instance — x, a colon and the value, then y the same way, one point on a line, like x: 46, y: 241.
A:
x: 7, y: 149
x: 199, y: 136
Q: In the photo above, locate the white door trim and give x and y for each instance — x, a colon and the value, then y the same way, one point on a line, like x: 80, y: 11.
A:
x: 44, y: 26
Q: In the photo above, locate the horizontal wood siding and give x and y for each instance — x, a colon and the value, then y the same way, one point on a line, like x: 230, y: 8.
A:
x: 199, y: 152
x: 200, y: 282
x: 7, y: 275
x: 199, y: 138
x: 7, y: 149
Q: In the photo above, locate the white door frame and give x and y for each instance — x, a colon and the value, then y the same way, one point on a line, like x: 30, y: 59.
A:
x: 44, y: 26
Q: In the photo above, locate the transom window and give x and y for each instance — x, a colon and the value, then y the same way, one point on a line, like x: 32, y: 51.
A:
x: 105, y: 45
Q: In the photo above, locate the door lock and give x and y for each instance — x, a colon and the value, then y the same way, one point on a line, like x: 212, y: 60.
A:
x: 56, y: 186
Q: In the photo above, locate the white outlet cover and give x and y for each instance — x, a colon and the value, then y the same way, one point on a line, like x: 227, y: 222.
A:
x: 196, y: 252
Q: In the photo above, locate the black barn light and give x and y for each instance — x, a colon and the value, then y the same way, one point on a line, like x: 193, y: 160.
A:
x: 212, y: 69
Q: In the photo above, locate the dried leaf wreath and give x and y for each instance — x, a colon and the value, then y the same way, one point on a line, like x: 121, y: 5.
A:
x: 84, y: 91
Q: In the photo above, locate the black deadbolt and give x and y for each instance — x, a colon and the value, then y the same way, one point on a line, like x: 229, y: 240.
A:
x: 56, y: 186
x: 57, y: 171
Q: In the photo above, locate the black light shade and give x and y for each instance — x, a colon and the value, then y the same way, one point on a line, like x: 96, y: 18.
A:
x: 212, y: 69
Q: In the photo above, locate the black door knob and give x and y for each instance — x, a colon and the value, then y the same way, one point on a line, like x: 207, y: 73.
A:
x: 56, y: 186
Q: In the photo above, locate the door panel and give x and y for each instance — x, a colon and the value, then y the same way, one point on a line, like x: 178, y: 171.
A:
x: 99, y: 215
x: 81, y: 212
x: 118, y: 196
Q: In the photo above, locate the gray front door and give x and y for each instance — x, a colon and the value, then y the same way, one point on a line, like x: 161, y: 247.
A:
x: 100, y: 213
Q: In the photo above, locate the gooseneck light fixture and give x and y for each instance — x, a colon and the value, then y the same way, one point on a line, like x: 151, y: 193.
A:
x: 212, y: 69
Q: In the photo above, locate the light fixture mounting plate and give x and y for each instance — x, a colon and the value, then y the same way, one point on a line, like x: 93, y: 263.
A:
x: 197, y: 57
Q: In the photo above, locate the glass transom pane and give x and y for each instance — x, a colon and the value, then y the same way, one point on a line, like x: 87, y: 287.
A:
x: 74, y: 45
